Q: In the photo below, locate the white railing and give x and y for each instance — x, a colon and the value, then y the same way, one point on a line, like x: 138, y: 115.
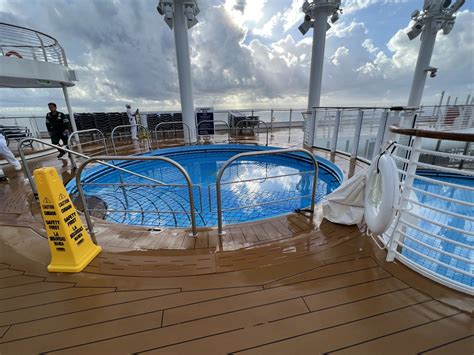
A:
x: 433, y: 232
x: 19, y: 42
x: 360, y: 131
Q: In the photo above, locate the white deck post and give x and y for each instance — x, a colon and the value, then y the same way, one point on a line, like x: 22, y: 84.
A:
x: 69, y: 108
x: 184, y: 70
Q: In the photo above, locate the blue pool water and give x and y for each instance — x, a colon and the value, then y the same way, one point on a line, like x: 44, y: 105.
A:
x: 464, y: 225
x: 252, y: 188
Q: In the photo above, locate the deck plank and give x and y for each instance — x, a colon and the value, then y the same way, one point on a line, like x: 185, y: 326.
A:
x: 249, y: 319
x: 277, y: 294
x: 290, y: 327
x: 47, y: 297
x: 464, y: 346
x: 94, y: 302
x: 325, y: 271
x: 32, y: 289
x: 444, y: 328
x: 82, y: 335
x: 9, y: 273
x: 19, y: 280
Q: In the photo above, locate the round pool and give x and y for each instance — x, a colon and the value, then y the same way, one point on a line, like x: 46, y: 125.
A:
x: 252, y: 187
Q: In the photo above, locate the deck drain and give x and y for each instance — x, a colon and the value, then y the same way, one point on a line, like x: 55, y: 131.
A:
x: 155, y: 230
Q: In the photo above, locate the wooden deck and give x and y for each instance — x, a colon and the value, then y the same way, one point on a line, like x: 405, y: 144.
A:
x: 292, y: 285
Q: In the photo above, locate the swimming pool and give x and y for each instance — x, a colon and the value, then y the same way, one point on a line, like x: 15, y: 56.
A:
x: 253, y: 188
x: 462, y: 223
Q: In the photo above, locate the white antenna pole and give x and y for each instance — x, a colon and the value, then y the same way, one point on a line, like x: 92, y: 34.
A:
x: 423, y: 62
x: 436, y: 15
x: 184, y: 70
x: 317, y: 59
x: 181, y: 15
x: 316, y: 16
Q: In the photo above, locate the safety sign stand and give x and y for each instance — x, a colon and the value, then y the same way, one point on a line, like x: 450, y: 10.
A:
x: 71, y: 246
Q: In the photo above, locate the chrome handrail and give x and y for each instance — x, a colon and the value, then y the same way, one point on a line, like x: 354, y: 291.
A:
x: 100, y: 159
x: 26, y: 43
x: 30, y: 177
x: 76, y: 133
x: 213, y: 121
x: 155, y: 130
x: 129, y: 126
x: 258, y: 153
x: 258, y: 121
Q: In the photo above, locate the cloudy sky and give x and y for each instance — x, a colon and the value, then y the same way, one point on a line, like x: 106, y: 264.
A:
x: 123, y: 52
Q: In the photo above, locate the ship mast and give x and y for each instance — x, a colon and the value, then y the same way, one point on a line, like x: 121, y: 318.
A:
x: 316, y: 14
x: 436, y: 15
x: 180, y: 15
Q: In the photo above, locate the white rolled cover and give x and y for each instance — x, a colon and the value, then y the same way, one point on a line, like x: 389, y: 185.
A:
x: 345, y: 205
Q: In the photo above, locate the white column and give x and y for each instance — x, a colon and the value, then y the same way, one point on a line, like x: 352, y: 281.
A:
x: 69, y: 108
x: 184, y: 70
x: 317, y: 58
x: 422, y: 63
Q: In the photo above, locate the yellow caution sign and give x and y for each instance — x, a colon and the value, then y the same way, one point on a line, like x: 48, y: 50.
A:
x: 71, y: 246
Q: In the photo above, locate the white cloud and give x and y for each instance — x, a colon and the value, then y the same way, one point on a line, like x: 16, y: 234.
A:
x: 338, y: 55
x: 126, y: 53
x: 292, y: 15
x: 267, y: 29
x: 351, y: 6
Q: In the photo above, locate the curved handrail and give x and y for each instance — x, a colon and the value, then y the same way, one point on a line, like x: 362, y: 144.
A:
x: 258, y: 153
x: 129, y: 125
x: 452, y: 136
x: 76, y: 133
x: 100, y: 159
x: 30, y: 44
x: 213, y: 121
x: 30, y: 177
x: 155, y: 131
x: 258, y: 121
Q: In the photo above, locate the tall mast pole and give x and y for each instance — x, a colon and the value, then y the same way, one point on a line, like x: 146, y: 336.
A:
x: 316, y: 15
x: 180, y: 15
x: 436, y: 15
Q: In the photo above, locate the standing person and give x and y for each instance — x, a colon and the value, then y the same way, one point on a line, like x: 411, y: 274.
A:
x: 133, y: 121
x: 58, y: 126
x: 8, y: 155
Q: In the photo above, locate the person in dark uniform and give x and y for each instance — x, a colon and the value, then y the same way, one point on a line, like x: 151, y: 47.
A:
x: 58, y: 126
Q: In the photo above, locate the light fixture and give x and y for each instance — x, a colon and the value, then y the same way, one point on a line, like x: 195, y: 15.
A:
x: 439, y: 13
x: 311, y: 8
x: 305, y: 26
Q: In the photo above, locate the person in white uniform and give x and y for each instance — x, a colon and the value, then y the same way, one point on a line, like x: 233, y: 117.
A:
x: 8, y: 155
x: 133, y: 121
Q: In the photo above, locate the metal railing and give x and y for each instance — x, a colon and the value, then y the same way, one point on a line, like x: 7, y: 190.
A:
x: 213, y: 122
x: 123, y: 185
x: 174, y: 130
x: 260, y: 153
x: 433, y: 231
x: 359, y: 132
x: 27, y: 170
x: 75, y: 134
x: 112, y: 135
x: 237, y: 126
x: 24, y: 43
